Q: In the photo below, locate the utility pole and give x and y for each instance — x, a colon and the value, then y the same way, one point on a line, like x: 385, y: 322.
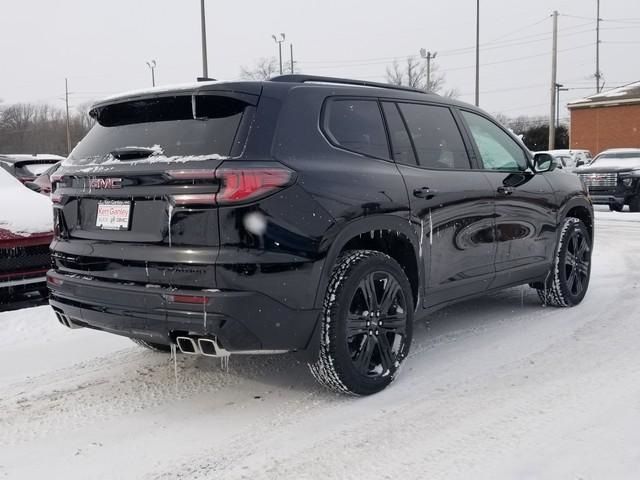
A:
x: 291, y: 58
x: 66, y: 101
x: 205, y: 69
x: 477, y: 53
x: 152, y: 65
x: 279, y: 42
x: 554, y: 70
x: 428, y: 56
x: 598, y: 74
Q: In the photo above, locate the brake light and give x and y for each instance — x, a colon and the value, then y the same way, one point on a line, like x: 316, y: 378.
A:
x: 237, y: 185
x: 241, y: 185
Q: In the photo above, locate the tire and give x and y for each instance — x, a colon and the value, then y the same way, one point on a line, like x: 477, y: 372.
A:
x: 568, y: 280
x: 367, y: 324
x: 155, y: 347
x: 634, y: 204
x: 615, y: 207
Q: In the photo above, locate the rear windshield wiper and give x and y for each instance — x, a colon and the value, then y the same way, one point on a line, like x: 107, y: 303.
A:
x: 131, y: 153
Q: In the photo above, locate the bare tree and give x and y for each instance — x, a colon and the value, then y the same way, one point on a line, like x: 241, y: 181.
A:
x: 265, y: 68
x: 413, y: 73
x: 38, y: 128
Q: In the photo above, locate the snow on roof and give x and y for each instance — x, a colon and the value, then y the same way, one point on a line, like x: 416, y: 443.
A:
x: 23, y: 211
x: 626, y: 94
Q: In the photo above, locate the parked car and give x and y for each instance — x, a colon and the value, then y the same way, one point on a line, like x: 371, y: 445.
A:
x: 613, y: 178
x: 26, y: 224
x: 563, y: 160
x: 572, y: 158
x: 27, y: 168
x: 304, y: 214
x: 42, y: 184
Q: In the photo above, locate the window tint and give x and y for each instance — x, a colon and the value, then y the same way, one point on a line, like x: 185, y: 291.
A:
x: 357, y: 125
x: 166, y: 122
x: 435, y: 136
x: 400, y: 141
x: 498, y: 150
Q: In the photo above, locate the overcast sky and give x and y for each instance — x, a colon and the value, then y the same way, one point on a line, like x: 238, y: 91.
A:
x: 102, y: 45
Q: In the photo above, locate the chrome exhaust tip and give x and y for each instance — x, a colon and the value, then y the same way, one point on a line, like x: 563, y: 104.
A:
x: 187, y: 345
x: 209, y: 347
x: 65, y: 320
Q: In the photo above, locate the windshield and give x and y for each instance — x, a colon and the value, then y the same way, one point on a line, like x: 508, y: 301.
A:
x: 164, y: 125
x: 35, y: 169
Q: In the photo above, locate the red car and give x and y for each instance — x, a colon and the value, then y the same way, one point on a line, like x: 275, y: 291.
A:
x: 26, y: 230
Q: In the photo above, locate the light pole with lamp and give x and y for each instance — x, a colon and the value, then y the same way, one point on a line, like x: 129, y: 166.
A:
x: 279, y: 42
x: 152, y: 65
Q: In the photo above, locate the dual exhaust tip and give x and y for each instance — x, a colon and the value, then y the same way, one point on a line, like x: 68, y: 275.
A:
x: 65, y: 319
x: 208, y: 347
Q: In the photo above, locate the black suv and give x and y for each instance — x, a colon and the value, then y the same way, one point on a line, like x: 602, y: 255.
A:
x: 304, y: 214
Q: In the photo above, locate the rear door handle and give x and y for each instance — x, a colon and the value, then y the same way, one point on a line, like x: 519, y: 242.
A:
x: 425, y: 192
x: 506, y: 190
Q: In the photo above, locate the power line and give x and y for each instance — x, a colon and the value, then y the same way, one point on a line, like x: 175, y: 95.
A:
x: 326, y: 64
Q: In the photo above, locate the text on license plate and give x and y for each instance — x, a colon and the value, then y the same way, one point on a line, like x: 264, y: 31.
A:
x: 113, y: 215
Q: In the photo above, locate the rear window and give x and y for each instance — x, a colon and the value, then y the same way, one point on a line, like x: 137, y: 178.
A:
x: 165, y: 125
x: 34, y: 169
x: 356, y: 125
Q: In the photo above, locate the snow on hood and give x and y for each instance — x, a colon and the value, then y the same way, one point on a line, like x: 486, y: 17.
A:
x: 618, y: 163
x: 23, y: 211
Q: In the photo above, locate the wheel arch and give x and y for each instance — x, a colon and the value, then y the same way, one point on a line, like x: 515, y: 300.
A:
x: 581, y: 209
x: 394, y: 236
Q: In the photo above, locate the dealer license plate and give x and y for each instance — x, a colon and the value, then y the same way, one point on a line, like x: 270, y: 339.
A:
x: 113, y: 215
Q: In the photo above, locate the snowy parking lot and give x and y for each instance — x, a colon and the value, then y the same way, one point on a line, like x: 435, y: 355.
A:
x: 497, y: 387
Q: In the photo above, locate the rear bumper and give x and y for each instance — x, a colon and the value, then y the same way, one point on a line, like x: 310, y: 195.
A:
x: 241, y: 321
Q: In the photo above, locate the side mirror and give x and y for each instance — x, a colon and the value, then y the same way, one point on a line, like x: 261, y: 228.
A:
x: 32, y: 186
x: 579, y: 162
x: 544, y: 162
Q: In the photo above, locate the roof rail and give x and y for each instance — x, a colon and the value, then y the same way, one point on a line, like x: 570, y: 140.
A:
x: 345, y: 81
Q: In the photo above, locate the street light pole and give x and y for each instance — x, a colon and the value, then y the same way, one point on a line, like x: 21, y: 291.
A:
x: 152, y: 67
x: 66, y: 101
x: 477, y: 53
x: 428, y: 56
x: 554, y: 68
x: 291, y: 58
x: 279, y: 42
x: 205, y: 69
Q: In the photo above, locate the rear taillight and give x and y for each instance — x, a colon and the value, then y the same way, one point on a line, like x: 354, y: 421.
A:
x: 242, y: 185
x: 236, y: 184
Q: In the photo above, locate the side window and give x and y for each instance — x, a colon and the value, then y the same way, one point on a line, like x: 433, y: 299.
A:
x: 400, y: 141
x: 436, y: 137
x: 357, y: 126
x: 498, y: 150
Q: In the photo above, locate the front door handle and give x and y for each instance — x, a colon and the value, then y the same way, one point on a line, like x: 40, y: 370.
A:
x: 506, y: 190
x: 425, y: 192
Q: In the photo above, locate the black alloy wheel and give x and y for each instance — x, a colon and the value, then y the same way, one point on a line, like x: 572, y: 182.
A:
x: 367, y: 324
x: 376, y: 324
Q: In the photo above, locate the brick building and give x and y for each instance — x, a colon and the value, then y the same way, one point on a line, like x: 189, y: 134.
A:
x: 606, y: 120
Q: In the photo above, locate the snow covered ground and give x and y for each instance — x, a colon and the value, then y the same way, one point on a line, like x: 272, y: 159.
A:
x: 494, y: 388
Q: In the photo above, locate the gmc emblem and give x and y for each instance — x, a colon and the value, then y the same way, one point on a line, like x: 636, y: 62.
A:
x: 105, y: 183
